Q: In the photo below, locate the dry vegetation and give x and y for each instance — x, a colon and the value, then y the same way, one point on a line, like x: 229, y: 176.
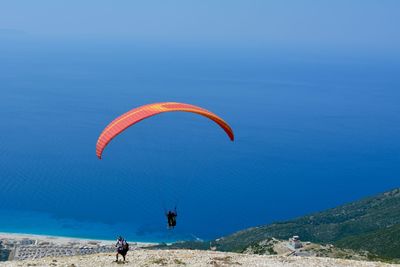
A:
x: 147, y: 258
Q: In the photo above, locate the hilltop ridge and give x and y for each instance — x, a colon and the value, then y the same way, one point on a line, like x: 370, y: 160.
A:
x: 371, y: 224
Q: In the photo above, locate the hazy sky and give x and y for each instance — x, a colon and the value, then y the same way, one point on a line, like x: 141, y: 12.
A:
x: 344, y: 23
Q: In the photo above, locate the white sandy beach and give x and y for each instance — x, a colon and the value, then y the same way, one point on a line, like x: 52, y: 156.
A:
x: 60, y: 240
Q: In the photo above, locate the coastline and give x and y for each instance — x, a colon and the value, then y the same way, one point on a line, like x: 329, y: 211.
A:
x: 64, y: 239
x: 53, y: 238
x: 84, y: 237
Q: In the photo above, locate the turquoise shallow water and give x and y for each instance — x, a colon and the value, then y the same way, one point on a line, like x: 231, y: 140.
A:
x: 312, y: 132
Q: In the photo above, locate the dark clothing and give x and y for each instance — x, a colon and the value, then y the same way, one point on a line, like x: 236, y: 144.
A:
x: 171, y: 216
x: 122, y: 247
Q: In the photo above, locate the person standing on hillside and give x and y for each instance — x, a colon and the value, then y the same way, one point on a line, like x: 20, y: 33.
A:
x: 122, y: 247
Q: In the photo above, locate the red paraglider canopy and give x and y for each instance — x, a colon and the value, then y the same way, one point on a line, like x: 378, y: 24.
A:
x: 135, y: 115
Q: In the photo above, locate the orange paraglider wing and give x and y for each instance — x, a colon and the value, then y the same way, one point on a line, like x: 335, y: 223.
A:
x: 135, y: 115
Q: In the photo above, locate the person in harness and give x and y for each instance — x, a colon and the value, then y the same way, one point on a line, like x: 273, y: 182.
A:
x: 171, y: 217
x: 122, y: 247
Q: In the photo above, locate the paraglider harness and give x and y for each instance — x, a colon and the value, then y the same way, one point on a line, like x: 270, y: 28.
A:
x: 171, y: 216
x: 122, y: 246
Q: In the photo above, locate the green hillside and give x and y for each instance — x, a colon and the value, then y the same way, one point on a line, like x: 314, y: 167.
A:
x: 384, y: 242
x: 372, y: 223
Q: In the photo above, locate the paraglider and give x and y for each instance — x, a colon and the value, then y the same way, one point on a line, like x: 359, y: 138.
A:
x: 171, y: 218
x: 122, y: 247
x: 136, y: 115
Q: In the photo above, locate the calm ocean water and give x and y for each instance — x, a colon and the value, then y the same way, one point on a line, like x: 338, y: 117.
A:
x: 312, y: 132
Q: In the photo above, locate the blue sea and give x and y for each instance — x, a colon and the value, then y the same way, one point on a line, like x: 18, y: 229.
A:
x: 314, y: 129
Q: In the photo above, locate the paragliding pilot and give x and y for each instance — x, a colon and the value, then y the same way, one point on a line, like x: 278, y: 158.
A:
x: 122, y: 247
x: 171, y: 216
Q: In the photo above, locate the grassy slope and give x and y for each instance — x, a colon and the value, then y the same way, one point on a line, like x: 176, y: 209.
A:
x: 346, y: 226
x: 384, y: 242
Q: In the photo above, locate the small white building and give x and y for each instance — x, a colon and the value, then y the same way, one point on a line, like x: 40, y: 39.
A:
x: 295, y: 242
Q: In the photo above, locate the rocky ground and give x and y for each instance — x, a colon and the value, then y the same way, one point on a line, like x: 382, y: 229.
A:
x: 144, y: 257
x: 273, y: 246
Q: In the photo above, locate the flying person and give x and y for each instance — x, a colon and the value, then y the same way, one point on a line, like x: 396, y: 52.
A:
x: 171, y: 217
x: 138, y: 114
